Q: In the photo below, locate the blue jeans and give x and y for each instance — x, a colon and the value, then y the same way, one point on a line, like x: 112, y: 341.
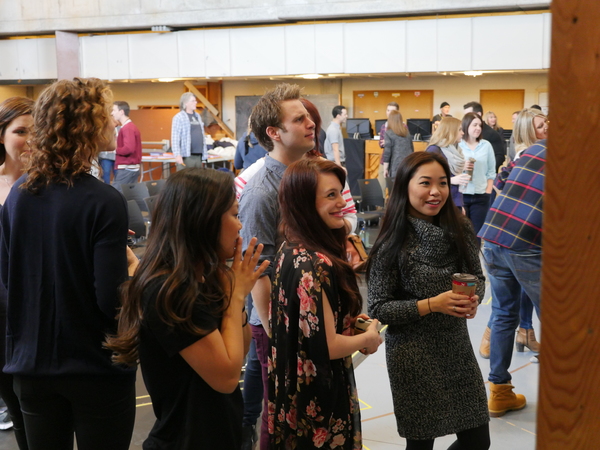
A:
x: 108, y: 166
x: 253, y: 387
x: 525, y: 313
x: 509, y: 272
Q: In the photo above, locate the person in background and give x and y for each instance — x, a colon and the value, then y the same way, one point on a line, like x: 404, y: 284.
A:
x: 61, y: 303
x: 436, y: 382
x: 444, y: 112
x: 476, y: 195
x: 493, y: 137
x: 334, y: 143
x: 398, y: 144
x: 314, y: 305
x: 183, y: 314
x: 248, y: 150
x: 392, y: 106
x: 511, y: 142
x: 491, y: 119
x: 128, y: 157
x: 16, y: 124
x: 188, y: 141
x: 444, y: 142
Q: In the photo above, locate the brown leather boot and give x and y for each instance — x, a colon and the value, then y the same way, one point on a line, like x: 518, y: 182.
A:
x: 503, y: 399
x: 526, y: 338
x: 484, y: 348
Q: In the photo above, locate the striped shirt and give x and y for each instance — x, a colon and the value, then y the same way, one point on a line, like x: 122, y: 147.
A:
x: 515, y: 219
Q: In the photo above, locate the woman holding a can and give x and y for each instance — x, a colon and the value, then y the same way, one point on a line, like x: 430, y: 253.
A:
x: 436, y: 381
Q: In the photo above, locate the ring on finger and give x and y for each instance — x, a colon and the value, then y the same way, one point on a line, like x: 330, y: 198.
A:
x: 454, y: 308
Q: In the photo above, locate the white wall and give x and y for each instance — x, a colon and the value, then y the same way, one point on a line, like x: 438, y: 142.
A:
x: 415, y: 46
x: 43, y: 16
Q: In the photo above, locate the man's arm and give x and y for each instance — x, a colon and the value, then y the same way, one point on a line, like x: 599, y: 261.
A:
x: 336, y: 153
x: 176, y: 139
x: 259, y: 214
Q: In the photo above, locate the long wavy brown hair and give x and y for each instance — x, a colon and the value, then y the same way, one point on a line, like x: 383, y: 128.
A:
x: 10, y: 109
x: 183, y: 245
x: 71, y: 121
x: 302, y: 225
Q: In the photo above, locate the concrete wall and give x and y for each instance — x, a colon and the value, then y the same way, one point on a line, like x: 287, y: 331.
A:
x: 46, y: 16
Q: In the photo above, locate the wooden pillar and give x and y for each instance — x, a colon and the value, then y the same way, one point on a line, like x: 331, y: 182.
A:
x: 569, y: 395
x: 67, y: 55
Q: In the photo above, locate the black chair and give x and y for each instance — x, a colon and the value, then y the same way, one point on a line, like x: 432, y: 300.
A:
x: 137, y: 224
x: 371, y: 196
x: 389, y: 184
x: 155, y: 186
x: 137, y: 192
x: 150, y: 202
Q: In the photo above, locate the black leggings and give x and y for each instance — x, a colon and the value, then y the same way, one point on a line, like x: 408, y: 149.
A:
x: 473, y: 439
x: 99, y: 410
x: 14, y: 409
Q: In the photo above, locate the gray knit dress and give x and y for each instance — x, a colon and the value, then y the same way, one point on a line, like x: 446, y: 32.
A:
x: 437, y: 386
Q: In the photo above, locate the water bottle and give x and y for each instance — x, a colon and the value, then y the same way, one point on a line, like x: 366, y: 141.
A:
x: 463, y: 187
x: 363, y: 235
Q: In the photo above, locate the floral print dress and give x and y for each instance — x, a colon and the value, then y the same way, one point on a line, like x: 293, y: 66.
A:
x: 313, y: 402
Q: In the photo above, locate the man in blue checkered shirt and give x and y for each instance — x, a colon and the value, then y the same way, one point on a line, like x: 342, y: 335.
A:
x: 512, y: 235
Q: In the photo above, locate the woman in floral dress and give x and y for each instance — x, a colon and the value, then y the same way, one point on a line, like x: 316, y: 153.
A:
x: 313, y: 402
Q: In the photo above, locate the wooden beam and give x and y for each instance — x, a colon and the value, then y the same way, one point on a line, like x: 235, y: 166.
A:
x: 569, y: 394
x: 210, y: 107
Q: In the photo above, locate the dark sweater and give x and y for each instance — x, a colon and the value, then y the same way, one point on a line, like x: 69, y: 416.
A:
x: 129, y: 145
x: 497, y: 141
x: 62, y: 259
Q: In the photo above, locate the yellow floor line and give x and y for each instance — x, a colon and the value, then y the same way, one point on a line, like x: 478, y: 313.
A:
x: 143, y: 404
x: 142, y: 396
x: 367, y: 406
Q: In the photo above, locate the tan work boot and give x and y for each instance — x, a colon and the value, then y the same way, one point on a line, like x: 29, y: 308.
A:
x: 503, y: 399
x: 484, y: 348
x: 526, y: 338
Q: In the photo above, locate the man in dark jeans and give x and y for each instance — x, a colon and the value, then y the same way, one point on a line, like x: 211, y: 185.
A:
x: 284, y: 128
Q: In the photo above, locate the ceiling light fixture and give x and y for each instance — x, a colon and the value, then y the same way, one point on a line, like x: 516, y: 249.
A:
x: 310, y: 76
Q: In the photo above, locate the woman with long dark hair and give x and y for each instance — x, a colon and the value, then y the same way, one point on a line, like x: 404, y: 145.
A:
x: 16, y: 125
x: 64, y: 240
x: 183, y: 313
x: 313, y: 402
x: 436, y: 382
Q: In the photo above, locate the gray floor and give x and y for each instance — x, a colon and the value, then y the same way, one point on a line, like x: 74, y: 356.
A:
x: 515, y: 431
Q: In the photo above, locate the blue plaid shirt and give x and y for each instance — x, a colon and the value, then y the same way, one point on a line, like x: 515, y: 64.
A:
x: 181, y: 136
x: 515, y: 219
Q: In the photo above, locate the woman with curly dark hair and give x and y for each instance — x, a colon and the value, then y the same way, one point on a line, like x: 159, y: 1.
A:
x: 63, y: 253
x: 183, y: 314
